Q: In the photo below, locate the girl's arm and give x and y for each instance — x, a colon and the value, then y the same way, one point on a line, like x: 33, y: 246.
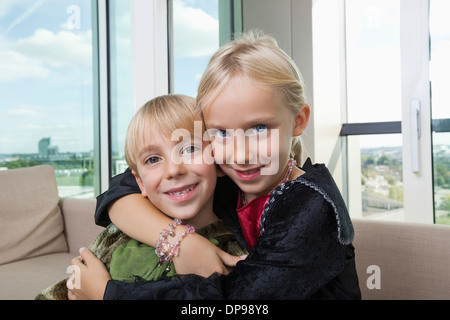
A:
x: 298, y: 257
x: 136, y: 216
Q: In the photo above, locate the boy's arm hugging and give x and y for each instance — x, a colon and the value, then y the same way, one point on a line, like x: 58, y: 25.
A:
x: 124, y: 187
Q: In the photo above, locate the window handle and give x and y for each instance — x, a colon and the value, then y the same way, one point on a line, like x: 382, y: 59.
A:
x: 415, y: 134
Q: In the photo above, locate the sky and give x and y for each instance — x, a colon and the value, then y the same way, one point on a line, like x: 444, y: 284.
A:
x: 374, y: 65
x: 45, y: 75
x: 196, y: 38
x: 46, y: 81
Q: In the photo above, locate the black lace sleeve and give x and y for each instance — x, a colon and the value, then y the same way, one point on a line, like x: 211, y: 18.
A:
x: 119, y: 186
x: 186, y: 287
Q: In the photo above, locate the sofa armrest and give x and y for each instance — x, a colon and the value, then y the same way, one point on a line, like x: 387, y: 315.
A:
x: 79, y: 226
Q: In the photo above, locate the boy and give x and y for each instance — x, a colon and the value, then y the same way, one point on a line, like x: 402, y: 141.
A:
x: 172, y: 174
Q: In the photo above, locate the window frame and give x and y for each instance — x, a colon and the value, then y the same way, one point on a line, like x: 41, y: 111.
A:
x: 102, y: 134
x: 418, y: 190
x: 150, y: 72
x: 325, y: 139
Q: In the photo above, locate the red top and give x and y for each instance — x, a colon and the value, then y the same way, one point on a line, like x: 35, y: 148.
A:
x: 250, y: 217
x: 250, y: 214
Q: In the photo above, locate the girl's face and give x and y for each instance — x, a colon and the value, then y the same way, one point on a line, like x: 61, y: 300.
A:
x: 251, y: 132
x: 175, y: 178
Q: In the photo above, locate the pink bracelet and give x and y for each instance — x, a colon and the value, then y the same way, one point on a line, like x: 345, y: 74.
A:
x: 165, y: 250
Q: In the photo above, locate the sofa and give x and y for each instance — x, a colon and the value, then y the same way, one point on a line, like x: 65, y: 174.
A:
x: 402, y: 261
x: 41, y: 233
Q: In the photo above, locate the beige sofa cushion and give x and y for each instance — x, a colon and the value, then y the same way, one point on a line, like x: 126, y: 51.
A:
x: 31, y: 220
x: 412, y: 259
x: 24, y: 279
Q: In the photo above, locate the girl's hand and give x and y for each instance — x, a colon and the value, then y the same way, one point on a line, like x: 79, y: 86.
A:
x: 141, y: 220
x: 200, y: 256
x: 89, y: 279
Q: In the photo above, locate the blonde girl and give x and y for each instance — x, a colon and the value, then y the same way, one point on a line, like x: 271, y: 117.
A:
x: 293, y: 219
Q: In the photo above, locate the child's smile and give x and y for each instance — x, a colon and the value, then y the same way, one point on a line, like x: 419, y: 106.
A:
x: 248, y: 174
x: 181, y: 194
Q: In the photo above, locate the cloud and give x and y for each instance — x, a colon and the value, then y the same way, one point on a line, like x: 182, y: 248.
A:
x: 22, y: 112
x: 14, y: 66
x: 36, y: 55
x: 57, y: 49
x: 196, y: 33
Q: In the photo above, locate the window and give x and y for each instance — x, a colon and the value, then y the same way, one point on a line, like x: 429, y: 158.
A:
x: 384, y: 93
x: 73, y: 72
x: 374, y: 106
x: 398, y: 84
x: 46, y: 85
x: 195, y: 37
x: 198, y: 29
x: 121, y: 104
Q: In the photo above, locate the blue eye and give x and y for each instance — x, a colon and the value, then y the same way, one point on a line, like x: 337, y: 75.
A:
x: 190, y: 149
x: 221, y: 133
x: 260, y: 128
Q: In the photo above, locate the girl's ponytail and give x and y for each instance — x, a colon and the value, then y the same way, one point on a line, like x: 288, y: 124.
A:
x: 296, y: 150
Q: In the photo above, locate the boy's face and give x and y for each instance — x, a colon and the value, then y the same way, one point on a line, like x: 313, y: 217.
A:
x: 176, y: 179
x: 256, y: 163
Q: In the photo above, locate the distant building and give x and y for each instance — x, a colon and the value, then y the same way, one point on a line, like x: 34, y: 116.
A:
x: 46, y: 150
x: 53, y: 150
x: 44, y: 143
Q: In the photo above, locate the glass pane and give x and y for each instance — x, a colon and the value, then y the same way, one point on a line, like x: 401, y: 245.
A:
x: 381, y: 184
x: 46, y: 90
x: 440, y: 84
x: 373, y: 60
x: 121, y: 81
x: 195, y: 39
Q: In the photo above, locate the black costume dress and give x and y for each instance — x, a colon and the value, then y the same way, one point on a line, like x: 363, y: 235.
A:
x: 304, y: 251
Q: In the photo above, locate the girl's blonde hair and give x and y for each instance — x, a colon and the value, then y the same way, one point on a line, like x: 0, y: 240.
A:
x: 164, y: 113
x: 258, y: 57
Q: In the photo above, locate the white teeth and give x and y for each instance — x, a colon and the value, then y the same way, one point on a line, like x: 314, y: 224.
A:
x: 182, y: 192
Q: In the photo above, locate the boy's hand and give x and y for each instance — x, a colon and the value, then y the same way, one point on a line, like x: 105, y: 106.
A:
x: 89, y: 279
x: 200, y: 256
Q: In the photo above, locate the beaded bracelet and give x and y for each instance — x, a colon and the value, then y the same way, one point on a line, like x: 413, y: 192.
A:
x: 165, y: 250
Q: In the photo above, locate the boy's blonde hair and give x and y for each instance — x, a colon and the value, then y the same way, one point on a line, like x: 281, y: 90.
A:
x: 164, y: 113
x: 258, y: 57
